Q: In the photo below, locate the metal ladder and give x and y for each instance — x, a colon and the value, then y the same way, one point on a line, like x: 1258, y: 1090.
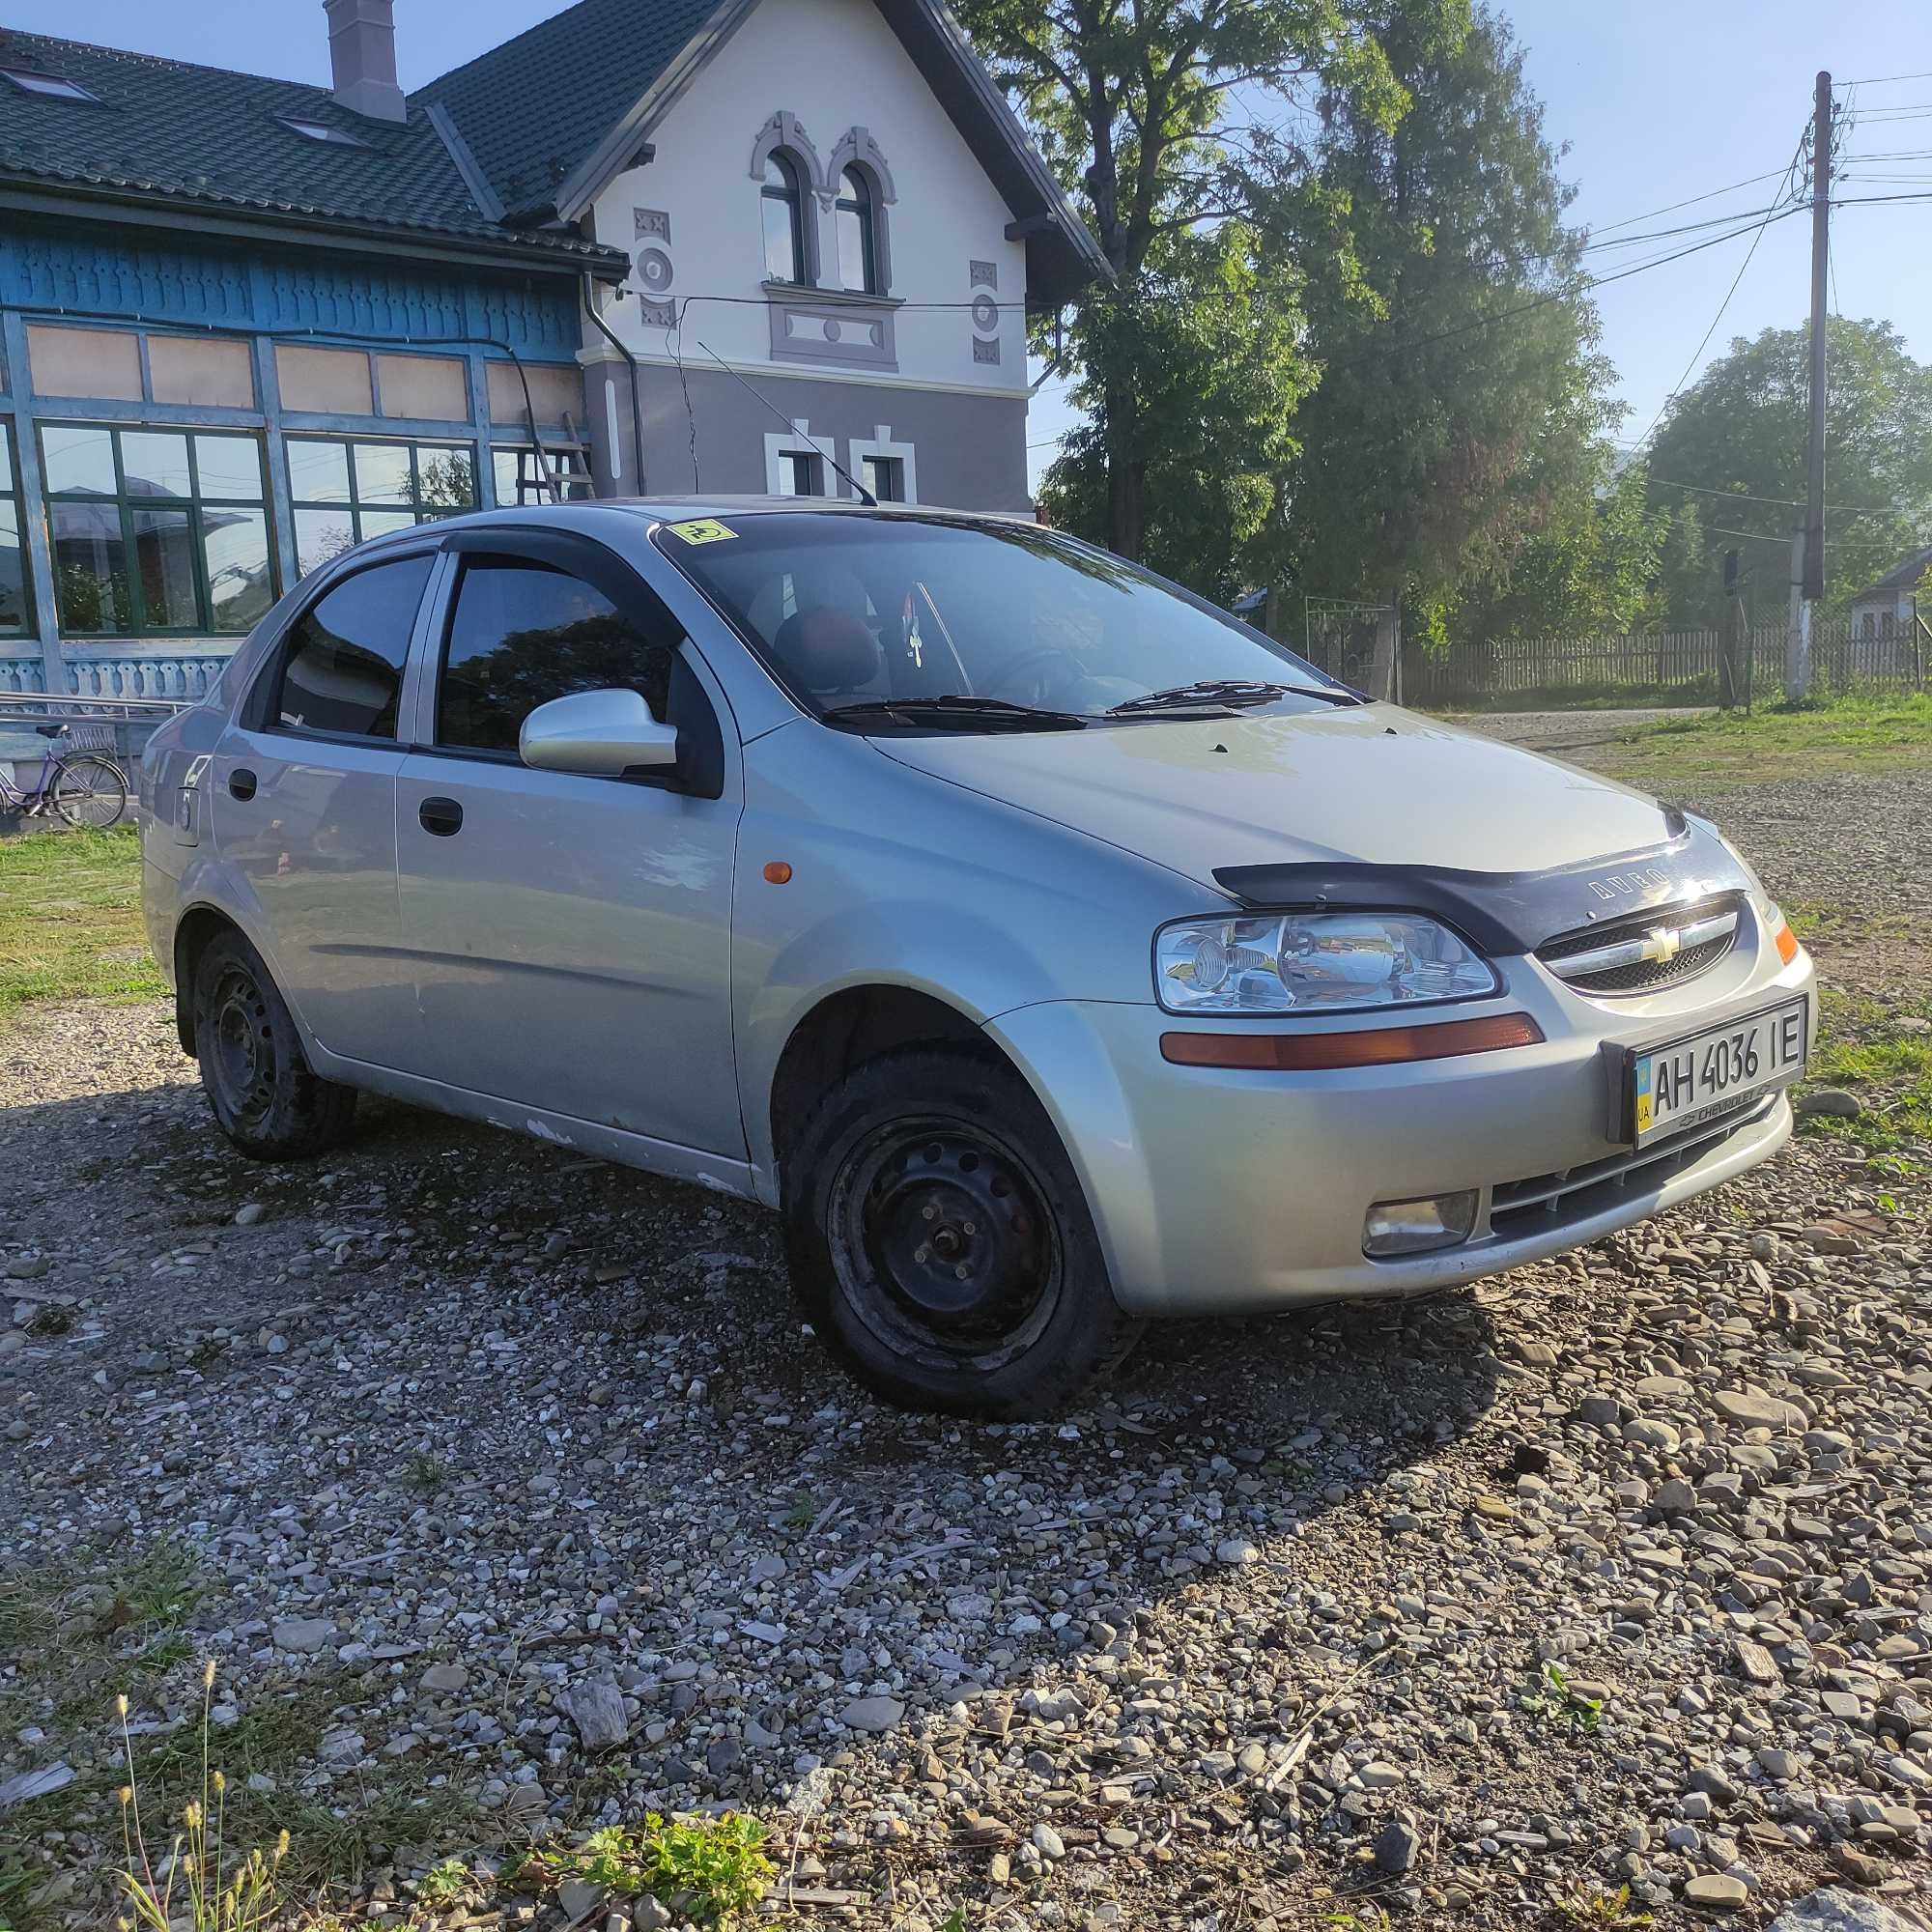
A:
x: 549, y: 484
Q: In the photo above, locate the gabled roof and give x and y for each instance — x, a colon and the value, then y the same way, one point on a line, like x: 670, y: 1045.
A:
x: 553, y: 114
x: 165, y: 130
x: 1905, y: 577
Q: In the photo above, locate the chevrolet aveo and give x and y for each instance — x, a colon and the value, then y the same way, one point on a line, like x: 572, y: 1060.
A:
x: 1049, y: 948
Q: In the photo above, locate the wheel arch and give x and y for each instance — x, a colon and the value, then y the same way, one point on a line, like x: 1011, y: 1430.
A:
x: 193, y: 930
x: 850, y: 1027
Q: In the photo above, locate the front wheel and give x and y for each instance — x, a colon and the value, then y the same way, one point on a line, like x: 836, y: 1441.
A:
x: 253, y: 1071
x: 90, y: 792
x: 941, y: 1244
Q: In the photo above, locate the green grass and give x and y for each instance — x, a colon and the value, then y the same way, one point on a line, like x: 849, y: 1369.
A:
x: 71, y: 920
x: 1861, y: 1050
x: 1810, y: 741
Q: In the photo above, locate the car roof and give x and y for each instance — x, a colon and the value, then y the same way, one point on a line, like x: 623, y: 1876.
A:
x: 683, y: 509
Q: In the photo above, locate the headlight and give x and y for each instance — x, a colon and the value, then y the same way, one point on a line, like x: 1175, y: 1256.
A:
x: 1319, y: 963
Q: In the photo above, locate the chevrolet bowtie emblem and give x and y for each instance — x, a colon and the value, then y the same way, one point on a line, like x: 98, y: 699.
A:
x: 1660, y: 948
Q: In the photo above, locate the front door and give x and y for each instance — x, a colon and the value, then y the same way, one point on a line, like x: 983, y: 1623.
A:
x: 570, y: 936
x: 301, y: 793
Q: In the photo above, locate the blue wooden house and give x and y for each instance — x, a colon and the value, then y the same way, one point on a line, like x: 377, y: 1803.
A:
x: 244, y: 322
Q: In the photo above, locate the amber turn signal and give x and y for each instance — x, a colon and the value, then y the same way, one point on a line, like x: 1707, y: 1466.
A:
x: 1372, y: 1047
x: 1787, y: 944
x: 777, y: 872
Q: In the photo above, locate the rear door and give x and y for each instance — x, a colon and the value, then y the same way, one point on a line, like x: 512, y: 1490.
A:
x: 570, y: 936
x: 301, y: 791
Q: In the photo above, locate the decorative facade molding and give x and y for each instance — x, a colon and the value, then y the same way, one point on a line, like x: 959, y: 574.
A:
x: 881, y: 444
x: 857, y: 148
x: 829, y: 326
x: 785, y: 130
x: 983, y: 274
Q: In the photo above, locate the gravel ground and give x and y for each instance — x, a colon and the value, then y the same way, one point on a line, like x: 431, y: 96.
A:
x: 449, y: 1451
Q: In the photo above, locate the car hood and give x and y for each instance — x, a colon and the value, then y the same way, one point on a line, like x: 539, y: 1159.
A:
x: 1368, y: 785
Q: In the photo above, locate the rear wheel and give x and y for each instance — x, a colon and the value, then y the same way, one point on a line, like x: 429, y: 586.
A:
x: 941, y: 1244
x: 90, y: 792
x: 258, y: 1082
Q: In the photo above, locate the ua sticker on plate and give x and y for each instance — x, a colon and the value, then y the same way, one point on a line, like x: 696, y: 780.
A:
x: 1645, y: 1103
x: 701, y: 530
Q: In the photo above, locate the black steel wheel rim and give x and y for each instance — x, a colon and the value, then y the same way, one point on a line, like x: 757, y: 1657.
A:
x: 943, y: 1244
x: 243, y: 1063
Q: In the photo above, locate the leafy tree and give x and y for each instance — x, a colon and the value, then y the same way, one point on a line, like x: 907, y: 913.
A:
x: 1146, y: 110
x: 1730, y: 458
x: 1467, y: 417
x: 1593, y: 567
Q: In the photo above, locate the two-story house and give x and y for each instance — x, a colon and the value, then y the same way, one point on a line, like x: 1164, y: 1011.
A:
x: 246, y: 322
x: 830, y: 196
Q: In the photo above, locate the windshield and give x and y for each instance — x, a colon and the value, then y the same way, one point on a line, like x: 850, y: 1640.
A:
x: 860, y: 613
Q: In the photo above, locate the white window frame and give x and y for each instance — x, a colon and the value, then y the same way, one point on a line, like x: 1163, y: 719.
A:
x: 906, y: 454
x: 800, y: 443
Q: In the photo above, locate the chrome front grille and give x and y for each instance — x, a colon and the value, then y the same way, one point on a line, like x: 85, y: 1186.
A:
x: 1645, y: 954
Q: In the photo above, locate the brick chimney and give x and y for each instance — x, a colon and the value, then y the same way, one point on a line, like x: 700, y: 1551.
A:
x: 362, y: 57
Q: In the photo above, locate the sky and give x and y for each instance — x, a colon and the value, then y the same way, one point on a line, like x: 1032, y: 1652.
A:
x: 1658, y: 100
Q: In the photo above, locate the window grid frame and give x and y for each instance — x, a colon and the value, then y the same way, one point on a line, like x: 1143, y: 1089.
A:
x: 863, y: 208
x: 348, y: 442
x: 11, y: 493
x: 792, y: 196
x: 192, y: 504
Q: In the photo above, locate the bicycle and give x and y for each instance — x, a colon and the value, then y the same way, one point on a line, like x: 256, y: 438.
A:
x: 85, y: 786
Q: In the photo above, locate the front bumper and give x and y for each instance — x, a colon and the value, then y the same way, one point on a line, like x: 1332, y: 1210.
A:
x: 1218, y: 1190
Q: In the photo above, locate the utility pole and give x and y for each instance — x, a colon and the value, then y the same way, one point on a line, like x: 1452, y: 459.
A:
x: 1808, y: 585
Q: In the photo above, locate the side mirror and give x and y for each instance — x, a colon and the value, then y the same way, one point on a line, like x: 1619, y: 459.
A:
x: 598, y: 733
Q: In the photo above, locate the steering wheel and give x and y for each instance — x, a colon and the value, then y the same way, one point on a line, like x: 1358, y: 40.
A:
x: 1019, y: 688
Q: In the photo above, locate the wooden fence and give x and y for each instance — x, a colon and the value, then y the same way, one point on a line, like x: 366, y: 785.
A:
x: 1667, y: 665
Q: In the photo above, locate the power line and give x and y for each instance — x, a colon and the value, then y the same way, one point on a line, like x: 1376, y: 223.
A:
x: 1884, y: 79
x: 1749, y: 180
x: 1784, y: 537
x: 1781, y: 502
x: 1705, y: 340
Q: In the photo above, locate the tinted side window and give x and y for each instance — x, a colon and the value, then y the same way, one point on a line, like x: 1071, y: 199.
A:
x: 522, y: 632
x: 342, y: 665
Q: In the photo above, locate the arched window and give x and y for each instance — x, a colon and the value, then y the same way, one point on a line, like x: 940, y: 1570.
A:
x: 858, y: 234
x: 783, y: 205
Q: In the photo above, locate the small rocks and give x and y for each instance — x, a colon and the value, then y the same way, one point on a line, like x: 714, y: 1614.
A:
x: 1237, y: 1552
x: 1715, y: 1891
x: 299, y: 1636
x: 250, y: 1214
x: 1833, y: 1910
x: 597, y: 1710
x: 1397, y: 1846
x: 1757, y: 1411
x: 445, y: 1680
x: 872, y: 1715
x: 1832, y: 1103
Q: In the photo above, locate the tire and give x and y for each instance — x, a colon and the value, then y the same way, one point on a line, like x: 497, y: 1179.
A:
x: 941, y: 1245
x: 258, y: 1082
x: 90, y: 792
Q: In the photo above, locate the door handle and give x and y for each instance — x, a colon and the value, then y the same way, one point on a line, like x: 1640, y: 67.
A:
x: 242, y: 783
x: 441, y: 817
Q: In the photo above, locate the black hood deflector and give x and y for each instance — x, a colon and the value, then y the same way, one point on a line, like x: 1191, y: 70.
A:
x: 1504, y: 913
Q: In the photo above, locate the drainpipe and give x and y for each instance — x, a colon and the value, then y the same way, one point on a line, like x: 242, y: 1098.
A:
x: 637, y: 400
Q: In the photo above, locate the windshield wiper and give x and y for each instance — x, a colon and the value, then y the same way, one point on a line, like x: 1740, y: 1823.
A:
x: 958, y: 707
x: 1230, y: 692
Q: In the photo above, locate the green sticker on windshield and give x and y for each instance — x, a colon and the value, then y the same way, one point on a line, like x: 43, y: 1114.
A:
x: 701, y: 530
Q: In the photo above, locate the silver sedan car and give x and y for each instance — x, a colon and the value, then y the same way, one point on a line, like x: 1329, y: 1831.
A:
x: 1050, y: 950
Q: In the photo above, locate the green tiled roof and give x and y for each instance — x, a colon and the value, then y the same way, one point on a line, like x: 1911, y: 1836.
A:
x: 204, y: 136
x: 533, y: 108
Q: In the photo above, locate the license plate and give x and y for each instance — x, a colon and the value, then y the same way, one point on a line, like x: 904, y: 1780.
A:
x: 1688, y: 1080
